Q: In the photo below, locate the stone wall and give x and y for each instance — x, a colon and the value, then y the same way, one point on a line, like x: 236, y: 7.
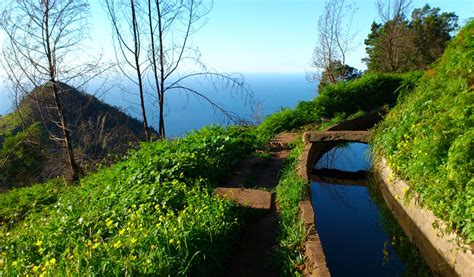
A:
x: 445, y: 254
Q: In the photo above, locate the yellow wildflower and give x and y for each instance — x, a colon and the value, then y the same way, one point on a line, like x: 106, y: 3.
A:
x: 117, y: 244
x: 109, y: 222
x: 97, y: 244
x: 52, y: 261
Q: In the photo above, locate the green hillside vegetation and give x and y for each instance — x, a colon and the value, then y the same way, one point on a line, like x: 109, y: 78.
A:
x: 335, y: 103
x: 427, y: 138
x: 100, y: 131
x: 339, y: 101
x: 151, y: 213
x: 154, y: 211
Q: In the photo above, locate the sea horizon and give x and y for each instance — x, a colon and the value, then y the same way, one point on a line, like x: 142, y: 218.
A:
x: 184, y: 112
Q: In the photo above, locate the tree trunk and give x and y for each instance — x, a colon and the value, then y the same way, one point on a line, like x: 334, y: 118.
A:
x: 159, y: 89
x: 55, y: 89
x: 75, y: 170
x: 139, y: 73
x: 162, y: 70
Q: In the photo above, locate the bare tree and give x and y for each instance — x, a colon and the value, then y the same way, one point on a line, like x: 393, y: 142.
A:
x: 129, y: 46
x: 43, y: 45
x: 392, y: 13
x: 393, y: 9
x: 335, y: 36
x: 165, y: 29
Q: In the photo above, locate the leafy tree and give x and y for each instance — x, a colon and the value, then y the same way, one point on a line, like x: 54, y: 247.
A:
x: 335, y: 37
x: 401, y: 45
x: 338, y: 71
x: 431, y: 31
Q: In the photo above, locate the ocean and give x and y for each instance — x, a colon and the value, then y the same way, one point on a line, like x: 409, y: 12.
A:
x: 184, y: 111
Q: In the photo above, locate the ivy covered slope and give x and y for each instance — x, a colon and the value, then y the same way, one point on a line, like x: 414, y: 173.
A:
x: 339, y: 101
x: 153, y: 213
x: 427, y: 138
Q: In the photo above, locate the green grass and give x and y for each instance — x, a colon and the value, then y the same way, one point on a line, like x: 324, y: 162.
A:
x: 291, y: 232
x: 18, y: 203
x: 153, y: 213
x: 428, y: 137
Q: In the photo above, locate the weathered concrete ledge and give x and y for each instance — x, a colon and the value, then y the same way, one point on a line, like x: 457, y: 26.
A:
x: 252, y: 198
x: 315, y: 263
x: 445, y: 254
x: 355, y: 136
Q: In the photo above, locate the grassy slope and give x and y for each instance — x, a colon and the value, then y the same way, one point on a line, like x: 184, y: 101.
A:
x: 152, y: 213
x: 338, y: 102
x: 291, y: 232
x: 428, y: 137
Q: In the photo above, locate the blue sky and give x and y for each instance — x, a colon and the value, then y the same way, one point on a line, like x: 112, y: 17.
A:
x: 267, y: 35
x: 274, y: 35
x: 262, y: 35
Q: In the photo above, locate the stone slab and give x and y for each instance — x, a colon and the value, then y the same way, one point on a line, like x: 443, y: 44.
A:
x: 356, y: 136
x: 253, y: 198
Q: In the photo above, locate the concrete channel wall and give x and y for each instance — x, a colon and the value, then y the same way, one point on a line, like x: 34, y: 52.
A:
x: 315, y: 263
x: 445, y: 254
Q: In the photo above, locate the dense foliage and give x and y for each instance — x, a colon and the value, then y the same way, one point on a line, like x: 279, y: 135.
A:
x: 428, y: 137
x: 21, y: 156
x: 153, y: 213
x: 337, y: 72
x: 401, y: 45
x: 338, y: 101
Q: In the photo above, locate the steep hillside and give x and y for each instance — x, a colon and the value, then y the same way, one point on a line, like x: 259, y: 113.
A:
x: 153, y: 214
x: 428, y: 137
x: 98, y: 131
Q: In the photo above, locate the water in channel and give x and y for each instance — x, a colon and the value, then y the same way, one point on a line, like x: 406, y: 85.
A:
x: 358, y: 234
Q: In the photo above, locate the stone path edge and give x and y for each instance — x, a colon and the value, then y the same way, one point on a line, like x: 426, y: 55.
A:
x: 315, y: 262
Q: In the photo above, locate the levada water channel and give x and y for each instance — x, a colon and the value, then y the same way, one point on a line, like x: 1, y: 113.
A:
x: 359, y: 235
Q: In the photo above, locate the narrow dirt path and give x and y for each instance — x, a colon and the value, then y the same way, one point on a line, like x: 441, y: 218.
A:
x: 252, y: 256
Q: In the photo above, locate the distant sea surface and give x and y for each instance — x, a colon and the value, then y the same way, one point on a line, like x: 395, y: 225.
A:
x: 184, y: 111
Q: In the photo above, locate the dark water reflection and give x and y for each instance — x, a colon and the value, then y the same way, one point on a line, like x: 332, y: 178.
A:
x: 349, y: 222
